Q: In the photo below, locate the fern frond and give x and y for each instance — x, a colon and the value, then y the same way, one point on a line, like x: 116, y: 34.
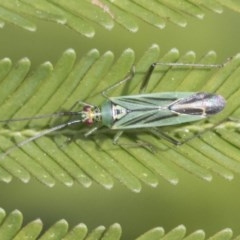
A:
x: 56, y: 88
x: 79, y: 15
x: 12, y: 228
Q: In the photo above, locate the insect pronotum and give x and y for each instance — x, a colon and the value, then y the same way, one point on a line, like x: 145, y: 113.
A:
x: 145, y: 110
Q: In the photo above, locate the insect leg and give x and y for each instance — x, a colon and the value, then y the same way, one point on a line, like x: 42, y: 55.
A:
x: 159, y: 134
x: 175, y: 64
x: 127, y: 78
x: 156, y: 132
x: 202, y: 132
x: 91, y: 131
x: 117, y: 136
x: 138, y: 143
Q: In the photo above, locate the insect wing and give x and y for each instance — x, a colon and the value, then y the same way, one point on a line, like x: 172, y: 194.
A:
x: 151, y: 110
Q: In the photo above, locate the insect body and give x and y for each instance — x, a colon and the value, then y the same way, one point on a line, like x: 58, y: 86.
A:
x: 138, y: 111
x: 159, y: 109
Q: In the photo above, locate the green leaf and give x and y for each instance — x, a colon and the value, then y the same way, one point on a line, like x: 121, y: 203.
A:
x: 12, y: 229
x: 57, y: 231
x: 156, y: 233
x: 113, y: 232
x: 81, y: 15
x: 30, y: 231
x: 79, y: 232
x: 11, y: 225
x: 225, y: 234
x: 142, y: 157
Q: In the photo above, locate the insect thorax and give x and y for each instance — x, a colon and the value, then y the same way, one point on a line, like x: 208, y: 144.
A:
x: 112, y: 112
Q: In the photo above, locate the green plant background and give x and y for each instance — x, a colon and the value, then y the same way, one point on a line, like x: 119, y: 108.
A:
x: 193, y: 202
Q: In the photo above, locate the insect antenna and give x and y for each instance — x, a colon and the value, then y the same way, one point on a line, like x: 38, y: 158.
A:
x: 52, y: 115
x: 82, y: 119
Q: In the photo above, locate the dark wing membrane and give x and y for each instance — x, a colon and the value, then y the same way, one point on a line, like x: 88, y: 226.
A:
x: 150, y: 110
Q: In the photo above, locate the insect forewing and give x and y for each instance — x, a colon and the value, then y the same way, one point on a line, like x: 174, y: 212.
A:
x: 164, y: 109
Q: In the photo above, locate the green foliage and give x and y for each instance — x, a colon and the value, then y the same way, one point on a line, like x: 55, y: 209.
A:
x: 83, y: 160
x: 47, y: 89
x: 12, y: 228
x: 80, y: 15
